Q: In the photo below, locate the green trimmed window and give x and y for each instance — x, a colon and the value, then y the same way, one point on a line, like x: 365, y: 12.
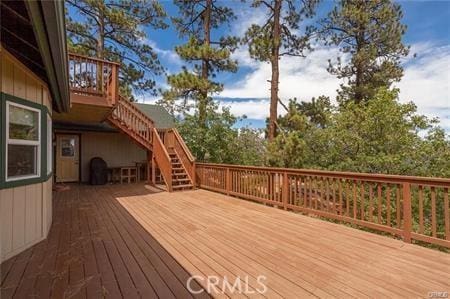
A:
x: 23, y: 142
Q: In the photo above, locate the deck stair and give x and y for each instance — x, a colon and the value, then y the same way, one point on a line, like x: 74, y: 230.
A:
x: 167, y: 150
x: 180, y: 178
x: 133, y: 122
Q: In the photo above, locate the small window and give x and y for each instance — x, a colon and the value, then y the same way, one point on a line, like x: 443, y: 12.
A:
x: 23, y: 142
x: 49, y: 145
x: 68, y: 147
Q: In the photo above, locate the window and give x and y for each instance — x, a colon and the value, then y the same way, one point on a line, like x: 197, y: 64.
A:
x: 23, y: 137
x: 49, y: 145
x: 68, y: 147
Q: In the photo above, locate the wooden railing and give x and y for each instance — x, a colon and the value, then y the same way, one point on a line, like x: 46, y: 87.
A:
x: 131, y: 120
x: 175, y: 141
x: 162, y: 158
x: 410, y: 207
x: 89, y: 76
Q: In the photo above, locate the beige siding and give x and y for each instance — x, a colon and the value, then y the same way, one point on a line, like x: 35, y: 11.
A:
x: 115, y: 148
x: 25, y: 212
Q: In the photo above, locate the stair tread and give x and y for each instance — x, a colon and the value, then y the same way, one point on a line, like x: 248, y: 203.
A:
x: 182, y: 186
x: 181, y: 180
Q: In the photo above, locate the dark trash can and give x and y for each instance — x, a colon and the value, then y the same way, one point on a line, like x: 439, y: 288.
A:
x: 98, y: 171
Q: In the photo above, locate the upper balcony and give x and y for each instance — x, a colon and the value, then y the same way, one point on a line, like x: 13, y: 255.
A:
x: 94, y: 89
x: 93, y: 81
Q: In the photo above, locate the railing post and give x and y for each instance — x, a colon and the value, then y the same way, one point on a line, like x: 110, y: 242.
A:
x: 153, y: 170
x: 227, y: 181
x: 407, y: 222
x: 285, y: 190
x: 114, y: 84
x: 194, y: 175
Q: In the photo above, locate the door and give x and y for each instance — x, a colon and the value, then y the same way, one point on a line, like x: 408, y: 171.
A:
x: 67, y: 158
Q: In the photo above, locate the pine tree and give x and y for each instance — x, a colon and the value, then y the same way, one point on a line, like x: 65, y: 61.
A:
x: 370, y: 32
x: 278, y: 37
x: 208, y: 57
x: 115, y: 30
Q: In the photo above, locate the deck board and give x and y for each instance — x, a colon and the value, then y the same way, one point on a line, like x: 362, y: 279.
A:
x: 130, y: 241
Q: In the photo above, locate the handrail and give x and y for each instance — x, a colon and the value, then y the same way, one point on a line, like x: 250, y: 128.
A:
x: 162, y: 158
x: 71, y: 54
x: 185, y: 155
x: 183, y: 145
x: 135, y: 123
x: 415, y: 208
x: 91, y: 76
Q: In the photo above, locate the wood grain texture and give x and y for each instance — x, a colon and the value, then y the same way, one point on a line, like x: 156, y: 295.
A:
x: 129, y: 240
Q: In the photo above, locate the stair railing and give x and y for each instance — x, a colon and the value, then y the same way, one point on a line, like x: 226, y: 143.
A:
x: 136, y: 123
x: 162, y: 158
x: 183, y: 152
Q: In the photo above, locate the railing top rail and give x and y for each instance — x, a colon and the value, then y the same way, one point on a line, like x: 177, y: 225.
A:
x: 92, y: 58
x: 183, y: 145
x: 141, y: 114
x: 389, y: 178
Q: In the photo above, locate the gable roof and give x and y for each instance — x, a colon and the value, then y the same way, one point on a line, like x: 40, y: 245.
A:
x: 162, y: 118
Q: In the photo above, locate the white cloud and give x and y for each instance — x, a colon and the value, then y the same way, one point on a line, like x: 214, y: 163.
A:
x: 303, y: 78
x: 254, y: 109
x: 170, y: 56
x: 426, y: 81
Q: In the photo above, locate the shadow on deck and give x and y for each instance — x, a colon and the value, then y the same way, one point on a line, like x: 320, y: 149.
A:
x: 131, y: 241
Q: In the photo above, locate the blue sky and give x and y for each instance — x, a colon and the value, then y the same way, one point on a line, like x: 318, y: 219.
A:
x: 426, y: 79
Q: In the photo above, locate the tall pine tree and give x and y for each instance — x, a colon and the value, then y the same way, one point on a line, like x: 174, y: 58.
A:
x: 279, y: 37
x: 370, y: 32
x: 115, y: 30
x: 205, y: 56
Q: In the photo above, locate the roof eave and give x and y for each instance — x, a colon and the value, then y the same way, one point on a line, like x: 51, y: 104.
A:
x: 47, y: 18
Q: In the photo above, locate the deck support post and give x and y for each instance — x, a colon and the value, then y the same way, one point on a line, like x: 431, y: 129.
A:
x: 407, y: 223
x: 285, y: 190
x: 150, y: 174
x: 194, y: 175
x: 153, y: 170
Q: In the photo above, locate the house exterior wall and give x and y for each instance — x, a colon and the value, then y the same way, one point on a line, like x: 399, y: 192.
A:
x: 115, y: 148
x: 25, y: 207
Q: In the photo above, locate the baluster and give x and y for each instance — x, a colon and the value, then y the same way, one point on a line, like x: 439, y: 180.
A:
x: 397, y: 194
x: 310, y: 185
x: 363, y: 200
x: 347, y: 197
x: 433, y: 211
x: 333, y: 194
x: 447, y: 215
x: 85, y: 75
x: 421, y: 209
x: 355, y: 205
x: 388, y: 204
x: 379, y: 193
x: 340, y: 197
x: 370, y: 202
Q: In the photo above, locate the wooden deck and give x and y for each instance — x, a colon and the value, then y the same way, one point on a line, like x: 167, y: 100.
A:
x: 130, y: 241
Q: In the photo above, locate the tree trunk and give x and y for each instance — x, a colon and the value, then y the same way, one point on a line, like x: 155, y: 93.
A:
x: 274, y: 60
x: 205, y: 67
x: 203, y: 100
